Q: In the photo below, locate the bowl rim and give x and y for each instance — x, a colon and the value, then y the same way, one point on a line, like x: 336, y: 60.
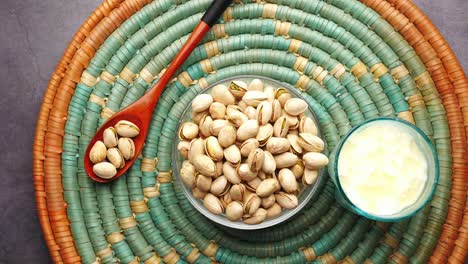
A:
x: 286, y: 214
x: 389, y: 218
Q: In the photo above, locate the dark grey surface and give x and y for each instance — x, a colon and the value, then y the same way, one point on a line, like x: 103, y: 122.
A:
x: 34, y: 35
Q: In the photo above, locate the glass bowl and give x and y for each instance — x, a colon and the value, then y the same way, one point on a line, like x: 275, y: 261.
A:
x: 427, y: 149
x: 304, y: 196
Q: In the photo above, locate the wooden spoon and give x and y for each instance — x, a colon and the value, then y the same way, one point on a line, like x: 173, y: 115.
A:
x: 141, y: 111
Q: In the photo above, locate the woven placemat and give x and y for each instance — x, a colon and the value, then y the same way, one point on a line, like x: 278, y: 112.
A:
x: 352, y: 61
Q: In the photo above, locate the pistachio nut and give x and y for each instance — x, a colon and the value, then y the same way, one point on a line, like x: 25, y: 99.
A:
x: 237, y: 192
x: 231, y: 173
x: 310, y: 142
x: 282, y: 95
x: 213, y: 204
x: 104, y: 170
x: 115, y: 157
x: 187, y: 174
x: 264, y: 134
x: 253, y: 184
x: 295, y: 106
x: 250, y: 112
x: 255, y: 85
x: 293, y: 141
x: 277, y: 110
x: 234, y: 211
x: 235, y: 116
x: 197, y: 147
x: 255, y: 159
x: 110, y: 138
x: 126, y: 128
x: 298, y: 169
x: 205, y: 125
x: 310, y: 176
x: 204, y: 165
x: 213, y: 149
x: 217, y: 110
x: 254, y: 98
x: 188, y: 131
x: 127, y: 148
x: 197, y: 116
x: 245, y: 173
x: 248, y: 129
x: 285, y: 160
x: 98, y: 152
x: 287, y: 180
x: 264, y: 112
x: 217, y: 125
x: 248, y: 146
x: 227, y: 136
x: 220, y: 186
x: 225, y: 199
x: 277, y: 145
x: 268, y: 201
x: 232, y: 155
x: 251, y: 204
x: 314, y: 160
x: 222, y: 95
x: 307, y: 125
x: 281, y: 127
x: 267, y: 187
x: 286, y: 200
x: 198, y: 194
x: 258, y: 217
x: 203, y: 183
x: 238, y: 89
x: 274, y: 211
x: 201, y: 102
x: 269, y: 163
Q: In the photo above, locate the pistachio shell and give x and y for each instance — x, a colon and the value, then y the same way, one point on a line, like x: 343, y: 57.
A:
x: 104, y: 170
x: 232, y: 155
x: 287, y: 180
x: 220, y: 186
x: 250, y: 112
x: 197, y: 193
x: 293, y: 121
x: 98, y: 152
x: 293, y: 132
x: 274, y: 211
x: 310, y: 142
x: 183, y: 148
x: 281, y: 127
x: 267, y: 187
x: 245, y: 173
x: 187, y: 174
x: 126, y: 128
x: 264, y: 112
x: 219, y: 168
x: 269, y: 163
x: 286, y: 200
x: 295, y: 106
x: 217, y: 110
x: 285, y: 160
x: 277, y: 145
x: 115, y: 157
x: 242, y: 105
x: 258, y: 217
x: 217, y: 125
x: 253, y: 184
x: 213, y: 204
x: 237, y: 192
x: 127, y: 147
x: 201, y: 102
x: 205, y: 125
x: 213, y: 149
x: 254, y: 98
x: 268, y: 201
x: 251, y: 204
x: 247, y: 130
x: 293, y: 141
x: 197, y: 148
x: 203, y: 182
x: 261, y: 174
x: 225, y: 199
x: 188, y: 131
x: 234, y: 211
x: 234, y: 115
x: 204, y: 165
x: 222, y: 95
x: 248, y: 146
x: 307, y: 125
x: 310, y: 176
x: 238, y: 89
x: 110, y: 137
x: 264, y: 134
x: 298, y: 169
x: 283, y: 96
x: 197, y: 116
x: 255, y: 159
x: 227, y: 136
x: 314, y: 160
x: 270, y: 92
x: 277, y: 110
x: 231, y: 173
x: 255, y: 85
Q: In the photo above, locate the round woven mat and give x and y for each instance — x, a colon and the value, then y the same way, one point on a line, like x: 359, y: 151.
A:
x: 352, y: 60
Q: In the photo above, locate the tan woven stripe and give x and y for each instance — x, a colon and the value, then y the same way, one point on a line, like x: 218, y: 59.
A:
x: 319, y: 74
x: 423, y: 79
x: 219, y: 31
x: 107, y: 112
x: 282, y: 28
x: 172, y: 257
x: 136, y: 260
x: 153, y: 260
x: 294, y: 45
x: 300, y: 64
x: 382, y: 225
x: 97, y: 261
x: 203, y: 83
x: 165, y: 177
x: 97, y: 100
x: 391, y: 241
x: 149, y: 165
x: 397, y: 257
x: 359, y: 69
x: 211, y: 250
x: 127, y: 222
x: 309, y: 253
x: 88, y: 79
x: 269, y: 10
x: 347, y: 260
x: 104, y: 253
x: 211, y: 48
x: 368, y: 261
x: 328, y: 258
x: 378, y: 70
x: 115, y: 238
x: 338, y: 71
x: 407, y: 115
x: 193, y: 256
x: 206, y: 66
x: 415, y: 98
x: 107, y: 77
x: 127, y: 75
x: 399, y: 72
x: 302, y: 82
x: 138, y: 206
x: 146, y: 76
x: 151, y: 192
x: 185, y: 79
x: 227, y: 15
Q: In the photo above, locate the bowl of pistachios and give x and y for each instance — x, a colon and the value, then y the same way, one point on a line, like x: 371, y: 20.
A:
x: 249, y: 153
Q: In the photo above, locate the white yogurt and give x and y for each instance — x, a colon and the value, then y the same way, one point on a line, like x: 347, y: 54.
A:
x: 381, y: 169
